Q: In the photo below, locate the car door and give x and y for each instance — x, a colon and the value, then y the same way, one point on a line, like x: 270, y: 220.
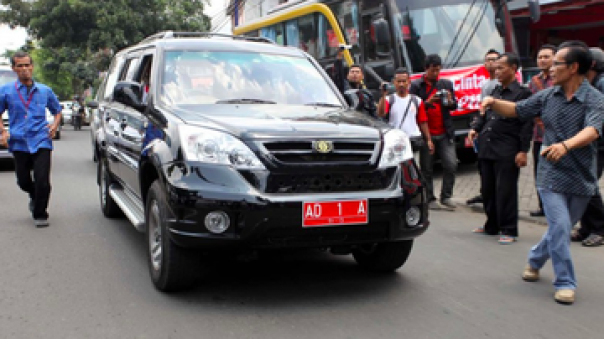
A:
x: 108, y: 130
x: 133, y: 128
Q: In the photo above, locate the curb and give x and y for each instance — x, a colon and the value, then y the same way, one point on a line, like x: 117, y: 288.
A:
x: 522, y: 215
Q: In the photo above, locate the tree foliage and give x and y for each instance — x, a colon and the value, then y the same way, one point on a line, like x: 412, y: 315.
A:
x: 78, y: 37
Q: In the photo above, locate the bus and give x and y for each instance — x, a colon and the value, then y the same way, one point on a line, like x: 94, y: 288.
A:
x: 383, y: 35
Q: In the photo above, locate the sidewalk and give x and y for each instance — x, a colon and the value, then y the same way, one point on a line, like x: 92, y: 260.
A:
x: 467, y: 185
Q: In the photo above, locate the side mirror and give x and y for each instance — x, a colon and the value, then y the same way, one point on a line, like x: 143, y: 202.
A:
x: 382, y: 32
x: 353, y: 99
x: 129, y: 94
x: 92, y: 104
x: 534, y: 10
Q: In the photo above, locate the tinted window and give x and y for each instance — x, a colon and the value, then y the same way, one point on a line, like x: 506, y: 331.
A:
x: 191, y: 77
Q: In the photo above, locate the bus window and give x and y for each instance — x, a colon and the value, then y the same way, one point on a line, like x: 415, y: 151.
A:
x: 274, y: 33
x: 347, y: 13
x: 291, y: 33
x: 308, y: 34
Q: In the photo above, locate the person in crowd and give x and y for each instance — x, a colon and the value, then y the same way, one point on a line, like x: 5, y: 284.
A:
x: 439, y: 99
x: 591, y: 232
x: 353, y: 79
x: 571, y: 112
x: 486, y: 88
x: 406, y: 111
x: 30, y: 140
x: 503, y: 144
x: 545, y: 58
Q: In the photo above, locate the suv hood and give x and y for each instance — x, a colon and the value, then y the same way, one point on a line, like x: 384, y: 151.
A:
x: 284, y: 121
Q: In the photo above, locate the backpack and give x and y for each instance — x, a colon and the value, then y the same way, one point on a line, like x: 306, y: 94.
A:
x: 392, y: 99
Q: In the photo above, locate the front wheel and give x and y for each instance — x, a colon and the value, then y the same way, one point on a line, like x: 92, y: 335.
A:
x: 383, y: 257
x: 172, y: 268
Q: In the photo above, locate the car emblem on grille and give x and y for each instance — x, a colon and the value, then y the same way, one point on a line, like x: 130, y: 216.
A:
x: 322, y: 146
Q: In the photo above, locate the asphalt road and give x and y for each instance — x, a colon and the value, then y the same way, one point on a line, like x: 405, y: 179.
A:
x: 86, y: 277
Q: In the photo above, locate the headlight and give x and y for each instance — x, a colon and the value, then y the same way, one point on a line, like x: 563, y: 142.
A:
x: 397, y: 148
x: 205, y: 145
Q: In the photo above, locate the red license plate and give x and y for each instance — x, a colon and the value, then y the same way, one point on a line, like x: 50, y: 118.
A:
x: 333, y: 213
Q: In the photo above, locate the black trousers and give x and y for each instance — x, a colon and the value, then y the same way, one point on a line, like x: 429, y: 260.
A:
x: 500, y: 196
x: 593, y: 218
x: 38, y: 188
x: 536, y: 158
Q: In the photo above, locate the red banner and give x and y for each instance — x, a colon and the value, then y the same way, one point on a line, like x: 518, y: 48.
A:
x: 467, y: 82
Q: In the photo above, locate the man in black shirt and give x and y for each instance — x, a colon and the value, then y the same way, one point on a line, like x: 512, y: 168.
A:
x: 353, y: 80
x: 503, y: 144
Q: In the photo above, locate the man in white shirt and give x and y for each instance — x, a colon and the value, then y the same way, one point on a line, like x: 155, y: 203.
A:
x: 406, y: 111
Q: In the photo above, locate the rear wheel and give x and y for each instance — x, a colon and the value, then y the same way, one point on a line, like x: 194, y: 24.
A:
x: 171, y: 267
x: 108, y: 206
x: 383, y: 257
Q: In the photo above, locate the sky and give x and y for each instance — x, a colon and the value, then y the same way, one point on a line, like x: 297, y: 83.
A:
x: 15, y: 38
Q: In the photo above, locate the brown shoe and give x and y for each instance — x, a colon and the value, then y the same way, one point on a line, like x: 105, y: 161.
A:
x: 530, y: 274
x: 565, y: 296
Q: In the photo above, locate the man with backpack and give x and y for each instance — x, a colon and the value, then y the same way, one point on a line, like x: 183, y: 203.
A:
x: 406, y: 111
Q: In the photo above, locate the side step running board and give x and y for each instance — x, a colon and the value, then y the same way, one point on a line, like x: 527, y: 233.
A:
x: 130, y: 205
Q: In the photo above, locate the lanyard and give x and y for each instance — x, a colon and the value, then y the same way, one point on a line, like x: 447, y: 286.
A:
x: 31, y: 96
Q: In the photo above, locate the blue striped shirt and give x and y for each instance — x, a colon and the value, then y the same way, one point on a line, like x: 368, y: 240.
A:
x: 574, y: 173
x: 29, y: 130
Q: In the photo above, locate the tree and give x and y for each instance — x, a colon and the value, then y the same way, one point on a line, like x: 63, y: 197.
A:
x: 78, y: 37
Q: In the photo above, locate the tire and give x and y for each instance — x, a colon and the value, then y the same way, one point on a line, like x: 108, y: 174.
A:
x: 108, y: 206
x: 383, y: 257
x: 172, y: 268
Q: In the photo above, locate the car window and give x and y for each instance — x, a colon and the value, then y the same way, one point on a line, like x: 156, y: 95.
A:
x: 196, y: 77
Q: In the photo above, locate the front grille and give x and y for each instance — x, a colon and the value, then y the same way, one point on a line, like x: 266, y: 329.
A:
x: 329, y: 182
x: 302, y: 152
x: 462, y: 122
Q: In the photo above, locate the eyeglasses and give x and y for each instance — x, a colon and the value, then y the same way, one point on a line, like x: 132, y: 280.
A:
x: 22, y: 65
x: 559, y: 63
x: 491, y: 59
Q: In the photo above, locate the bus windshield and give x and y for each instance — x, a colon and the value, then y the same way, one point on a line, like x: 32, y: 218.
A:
x: 459, y: 31
x: 7, y: 76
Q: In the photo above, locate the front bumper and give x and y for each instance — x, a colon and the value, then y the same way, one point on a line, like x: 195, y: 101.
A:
x: 259, y: 220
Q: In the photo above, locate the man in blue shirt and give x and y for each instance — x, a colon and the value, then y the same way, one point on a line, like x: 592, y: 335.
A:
x: 30, y: 138
x: 572, y: 113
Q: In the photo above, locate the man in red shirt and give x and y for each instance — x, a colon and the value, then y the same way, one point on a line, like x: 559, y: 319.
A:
x: 439, y: 99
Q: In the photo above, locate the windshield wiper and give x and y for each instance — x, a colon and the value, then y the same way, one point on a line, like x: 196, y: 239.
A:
x: 245, y: 101
x: 322, y: 104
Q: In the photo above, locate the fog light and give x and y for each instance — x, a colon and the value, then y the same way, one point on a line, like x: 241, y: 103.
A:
x: 413, y: 216
x: 217, y: 222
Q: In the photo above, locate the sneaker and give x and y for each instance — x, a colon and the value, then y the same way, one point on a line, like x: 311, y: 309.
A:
x: 479, y: 230
x: 530, y: 274
x: 448, y: 204
x: 593, y: 240
x: 565, y: 296
x: 435, y: 205
x: 39, y: 223
x: 537, y: 213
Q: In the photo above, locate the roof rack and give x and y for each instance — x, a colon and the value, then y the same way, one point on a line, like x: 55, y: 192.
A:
x: 171, y: 35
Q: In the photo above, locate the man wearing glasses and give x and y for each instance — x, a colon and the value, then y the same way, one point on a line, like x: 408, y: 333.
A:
x: 30, y: 139
x: 571, y: 111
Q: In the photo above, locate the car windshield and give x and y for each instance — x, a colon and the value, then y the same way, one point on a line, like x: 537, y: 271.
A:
x: 459, y: 31
x: 7, y: 76
x: 199, y: 77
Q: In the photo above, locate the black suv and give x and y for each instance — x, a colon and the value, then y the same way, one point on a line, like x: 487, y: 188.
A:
x: 210, y: 143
